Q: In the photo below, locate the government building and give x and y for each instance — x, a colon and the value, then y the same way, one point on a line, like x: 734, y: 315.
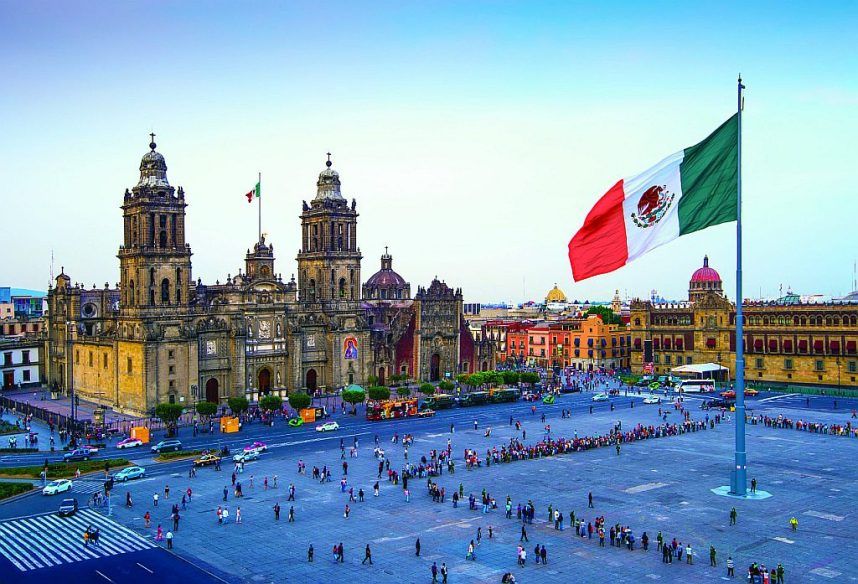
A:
x: 788, y: 341
x: 161, y: 336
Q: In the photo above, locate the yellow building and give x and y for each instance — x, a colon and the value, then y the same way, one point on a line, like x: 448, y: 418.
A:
x: 787, y: 341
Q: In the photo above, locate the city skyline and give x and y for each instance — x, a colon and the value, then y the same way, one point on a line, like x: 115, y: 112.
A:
x: 422, y: 108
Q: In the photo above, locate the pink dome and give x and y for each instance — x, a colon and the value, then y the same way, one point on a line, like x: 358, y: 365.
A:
x: 705, y: 274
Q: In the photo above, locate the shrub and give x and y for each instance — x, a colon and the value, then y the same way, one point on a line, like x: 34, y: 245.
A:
x: 378, y: 392
x: 271, y: 403
x: 206, y: 408
x: 299, y: 400
x: 238, y: 404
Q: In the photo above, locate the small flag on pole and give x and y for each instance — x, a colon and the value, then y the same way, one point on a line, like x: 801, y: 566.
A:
x: 257, y: 190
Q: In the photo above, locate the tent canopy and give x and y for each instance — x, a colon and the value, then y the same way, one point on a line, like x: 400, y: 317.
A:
x: 699, y: 368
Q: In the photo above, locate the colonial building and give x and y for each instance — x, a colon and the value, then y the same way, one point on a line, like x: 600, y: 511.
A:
x: 787, y: 340
x: 159, y: 336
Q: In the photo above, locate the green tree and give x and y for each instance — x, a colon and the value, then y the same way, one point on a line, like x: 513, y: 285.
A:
x: 271, y: 403
x: 510, y: 377
x: 606, y: 314
x: 372, y: 379
x: 462, y: 378
x: 427, y: 389
x: 299, y: 400
x: 492, y: 377
x: 169, y: 414
x: 207, y: 408
x: 476, y: 379
x: 446, y: 386
x: 530, y: 377
x: 238, y: 404
x: 353, y: 395
x: 403, y: 391
x: 378, y: 392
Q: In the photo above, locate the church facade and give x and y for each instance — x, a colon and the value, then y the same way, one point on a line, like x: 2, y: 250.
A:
x: 160, y: 336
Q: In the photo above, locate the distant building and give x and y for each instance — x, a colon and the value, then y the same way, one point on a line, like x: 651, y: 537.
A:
x: 790, y: 340
x: 19, y: 362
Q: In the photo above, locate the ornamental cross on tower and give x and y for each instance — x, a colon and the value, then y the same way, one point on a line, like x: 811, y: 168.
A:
x: 152, y: 141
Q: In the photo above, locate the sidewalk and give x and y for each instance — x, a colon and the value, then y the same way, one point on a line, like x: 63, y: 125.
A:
x: 62, y: 405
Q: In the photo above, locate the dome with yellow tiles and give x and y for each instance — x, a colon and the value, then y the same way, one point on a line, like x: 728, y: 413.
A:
x: 555, y: 295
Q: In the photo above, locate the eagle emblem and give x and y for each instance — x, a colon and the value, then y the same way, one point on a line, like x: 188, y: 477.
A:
x: 652, y: 206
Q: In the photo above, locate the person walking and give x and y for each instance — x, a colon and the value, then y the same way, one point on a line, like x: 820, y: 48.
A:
x: 155, y: 500
x: 443, y: 573
x: 238, y: 514
x: 434, y: 570
x: 590, y: 500
x: 417, y: 547
x: 310, y: 553
x: 276, y: 511
x: 341, y: 553
x: 688, y: 555
x: 291, y: 514
x: 793, y: 522
x: 367, y: 555
x: 169, y: 540
x: 712, y: 556
x: 730, y: 566
x: 733, y: 516
x: 523, y: 534
x: 471, y: 555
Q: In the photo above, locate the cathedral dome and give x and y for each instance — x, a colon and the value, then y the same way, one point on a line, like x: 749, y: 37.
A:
x: 328, y: 185
x: 385, y: 278
x: 555, y: 295
x: 386, y: 284
x: 705, y: 274
x: 153, y: 168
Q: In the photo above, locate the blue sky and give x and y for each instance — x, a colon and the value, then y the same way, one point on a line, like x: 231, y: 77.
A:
x: 475, y: 136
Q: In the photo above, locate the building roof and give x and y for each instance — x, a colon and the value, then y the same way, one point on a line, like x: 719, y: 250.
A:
x: 705, y: 273
x: 698, y: 368
x: 555, y: 295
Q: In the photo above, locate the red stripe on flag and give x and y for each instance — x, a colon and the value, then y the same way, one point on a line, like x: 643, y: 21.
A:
x: 250, y: 196
x: 600, y: 245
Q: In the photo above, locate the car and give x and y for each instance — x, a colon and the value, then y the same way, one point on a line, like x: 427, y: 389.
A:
x: 327, y: 427
x: 600, y: 397
x: 58, y: 486
x: 548, y: 399
x: 128, y: 473
x: 92, y: 449
x: 296, y: 422
x: 76, y: 455
x: 207, y: 459
x: 426, y: 413
x: 652, y: 399
x: 129, y: 443
x: 67, y: 508
x: 718, y: 403
x: 167, y: 446
x: 655, y: 385
x: 259, y: 446
x: 247, y: 456
x: 731, y: 394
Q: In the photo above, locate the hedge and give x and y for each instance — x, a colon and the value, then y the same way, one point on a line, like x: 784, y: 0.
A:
x: 11, y: 489
x: 62, y: 470
x: 177, y: 454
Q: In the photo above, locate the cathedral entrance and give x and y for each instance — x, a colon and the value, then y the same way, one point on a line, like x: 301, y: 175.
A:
x: 264, y: 381
x: 212, y: 393
x: 435, y: 368
x: 485, y: 365
x: 381, y: 375
x: 311, y: 381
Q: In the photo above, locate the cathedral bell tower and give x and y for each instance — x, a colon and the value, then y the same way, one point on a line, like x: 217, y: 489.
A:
x: 154, y: 260
x: 329, y: 259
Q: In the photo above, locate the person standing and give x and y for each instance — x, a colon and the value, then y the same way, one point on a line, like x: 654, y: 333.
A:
x: 238, y: 514
x: 276, y: 511
x: 590, y: 500
x: 417, y: 547
x: 544, y: 555
x: 730, y: 566
x: 310, y: 553
x: 712, y: 555
x: 754, y: 485
x: 155, y: 499
x: 443, y: 573
x: 780, y: 573
x: 733, y: 516
x: 434, y: 572
x: 291, y: 514
x: 169, y: 540
x: 340, y: 552
x: 523, y: 534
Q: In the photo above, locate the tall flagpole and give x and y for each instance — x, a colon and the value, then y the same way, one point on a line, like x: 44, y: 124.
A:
x: 259, y: 197
x: 739, y: 478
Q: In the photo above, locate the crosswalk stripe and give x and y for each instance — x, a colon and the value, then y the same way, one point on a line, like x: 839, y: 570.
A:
x: 102, y: 548
x: 9, y: 543
x: 73, y: 539
x: 133, y: 541
x: 33, y: 536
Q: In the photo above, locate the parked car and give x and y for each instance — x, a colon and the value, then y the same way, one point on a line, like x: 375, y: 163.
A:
x: 129, y: 443
x: 207, y: 459
x: 167, y: 446
x: 77, y: 454
x: 327, y: 427
x: 131, y: 472
x: 600, y: 397
x: 67, y: 508
x: 247, y: 456
x: 58, y: 486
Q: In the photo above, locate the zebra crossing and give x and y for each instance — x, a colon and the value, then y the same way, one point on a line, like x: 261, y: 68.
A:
x: 31, y: 543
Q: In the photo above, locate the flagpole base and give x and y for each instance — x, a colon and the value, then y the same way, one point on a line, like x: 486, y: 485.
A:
x: 726, y: 491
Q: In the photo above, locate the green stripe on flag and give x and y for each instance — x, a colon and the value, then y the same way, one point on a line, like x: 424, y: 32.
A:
x: 709, y: 180
x: 258, y: 190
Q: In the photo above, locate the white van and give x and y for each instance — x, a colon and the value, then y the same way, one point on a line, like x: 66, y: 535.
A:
x: 696, y: 386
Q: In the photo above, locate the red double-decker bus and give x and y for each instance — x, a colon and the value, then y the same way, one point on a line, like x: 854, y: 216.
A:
x: 391, y: 409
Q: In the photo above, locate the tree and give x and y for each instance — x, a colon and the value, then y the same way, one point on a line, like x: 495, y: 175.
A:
x: 403, y: 391
x: 299, y: 400
x: 169, y: 414
x: 378, y: 392
x: 462, y: 378
x: 271, y: 403
x: 492, y: 377
x: 353, y: 395
x: 476, y: 379
x: 427, y: 389
x: 529, y: 377
x: 510, y: 377
x: 606, y: 314
x: 446, y: 386
x: 238, y: 404
x: 372, y: 380
x: 207, y: 408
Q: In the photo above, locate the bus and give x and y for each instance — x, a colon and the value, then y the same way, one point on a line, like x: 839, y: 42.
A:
x: 391, y: 409
x: 506, y: 394
x: 475, y: 398
x: 439, y: 401
x: 696, y: 386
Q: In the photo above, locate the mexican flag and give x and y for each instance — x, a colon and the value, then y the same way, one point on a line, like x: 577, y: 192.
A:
x: 257, y: 190
x: 686, y: 192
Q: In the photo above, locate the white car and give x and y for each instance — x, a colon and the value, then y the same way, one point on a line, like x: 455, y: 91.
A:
x: 129, y: 443
x: 54, y: 487
x: 246, y: 456
x: 600, y: 397
x: 327, y: 427
x: 652, y: 399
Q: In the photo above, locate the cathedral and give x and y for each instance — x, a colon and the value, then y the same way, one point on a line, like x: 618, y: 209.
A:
x: 161, y: 336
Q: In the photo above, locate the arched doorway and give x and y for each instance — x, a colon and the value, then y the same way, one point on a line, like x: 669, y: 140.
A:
x: 212, y: 393
x: 264, y: 381
x: 311, y: 381
x: 435, y: 368
x: 381, y: 375
x: 485, y: 365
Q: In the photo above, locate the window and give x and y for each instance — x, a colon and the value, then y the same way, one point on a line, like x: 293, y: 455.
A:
x: 7, y: 359
x: 667, y: 359
x: 787, y: 363
x: 688, y: 360
x: 171, y: 354
x: 172, y: 370
x: 656, y: 359
x: 25, y: 356
x: 853, y: 367
x: 172, y: 385
x: 90, y: 358
x: 76, y: 357
x: 104, y: 360
x: 819, y: 365
x: 758, y: 363
x: 26, y: 375
x: 128, y: 366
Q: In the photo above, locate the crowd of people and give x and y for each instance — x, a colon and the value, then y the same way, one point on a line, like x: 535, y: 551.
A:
x: 781, y: 421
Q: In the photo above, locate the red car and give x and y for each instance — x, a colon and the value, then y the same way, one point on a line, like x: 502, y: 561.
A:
x: 731, y: 394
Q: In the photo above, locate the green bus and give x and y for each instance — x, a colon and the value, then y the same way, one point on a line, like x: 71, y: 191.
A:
x: 439, y: 401
x: 475, y: 398
x: 508, y: 394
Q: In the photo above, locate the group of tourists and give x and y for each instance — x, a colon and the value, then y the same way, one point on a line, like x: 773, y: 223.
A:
x: 780, y: 421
